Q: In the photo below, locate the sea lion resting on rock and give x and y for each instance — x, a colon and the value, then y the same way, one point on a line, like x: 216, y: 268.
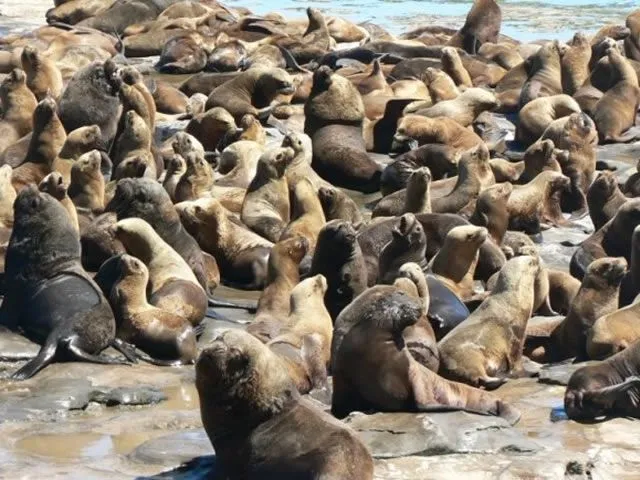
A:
x: 50, y: 297
x: 373, y: 370
x: 242, y: 383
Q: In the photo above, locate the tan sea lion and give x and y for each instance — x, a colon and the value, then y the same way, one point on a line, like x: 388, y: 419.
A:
x: 541, y: 156
x: 373, y: 369
x: 452, y: 66
x: 300, y: 166
x: 632, y: 42
x: 275, y: 410
x: 166, y: 337
x: 307, y: 215
x: 7, y: 197
x: 604, y: 198
x: 440, y: 85
x: 172, y: 284
x: 211, y: 126
x: 18, y: 105
x: 78, y: 142
x: 575, y: 63
x: 54, y: 185
x: 416, y: 198
x: 613, y: 332
x: 544, y: 74
x: 465, y: 108
x: 176, y: 168
x: 407, y: 245
x: 436, y: 130
x: 87, y: 186
x: 197, y: 180
x: 43, y: 77
x: 536, y: 116
x: 493, y: 335
x: 492, y: 212
x: 135, y: 141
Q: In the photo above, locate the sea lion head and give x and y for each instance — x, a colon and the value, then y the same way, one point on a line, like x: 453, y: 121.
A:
x: 227, y: 57
x: 88, y: 163
x: 468, y: 235
x: 45, y: 110
x: 16, y: 79
x: 136, y: 126
x: 514, y: 272
x: 604, y: 186
x: 409, y: 231
x: 183, y: 143
x: 307, y: 288
x: 294, y: 141
x: 328, y: 196
x: 316, y: 20
x: 274, y: 81
x: 176, y: 165
x: 295, y: 247
x: 130, y: 75
x: 129, y: 266
x: 132, y: 167
x: 204, y: 211
x: 421, y: 177
x: 322, y: 79
x: 605, y: 273
x: 339, y: 234
x: 30, y: 58
x: 578, y: 403
x: 273, y: 163
x: 54, y: 185
x: 82, y: 140
x: 144, y: 198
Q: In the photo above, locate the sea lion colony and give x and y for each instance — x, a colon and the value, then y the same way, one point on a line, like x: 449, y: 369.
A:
x: 425, y: 307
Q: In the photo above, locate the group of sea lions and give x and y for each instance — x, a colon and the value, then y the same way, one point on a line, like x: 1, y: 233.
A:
x: 423, y: 301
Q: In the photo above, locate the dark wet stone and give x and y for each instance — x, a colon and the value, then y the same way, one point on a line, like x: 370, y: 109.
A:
x: 390, y: 435
x: 200, y: 468
x: 559, y: 374
x: 174, y: 449
x: 140, y: 395
x: 14, y: 347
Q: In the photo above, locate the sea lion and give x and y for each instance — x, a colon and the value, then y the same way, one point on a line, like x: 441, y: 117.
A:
x: 43, y: 273
x: 265, y: 208
x: 135, y: 142
x: 408, y: 244
x: 165, y: 336
x: 300, y: 165
x: 372, y: 82
x: 544, y: 74
x: 368, y: 344
x: 536, y: 116
x: 452, y: 66
x: 238, y: 164
x: 575, y: 63
x: 608, y: 388
x: 632, y: 185
x: 481, y: 25
x: 176, y: 168
x: 171, y: 101
x: 211, y: 126
x: 145, y: 198
x: 337, y: 205
x: 7, y: 198
x: 181, y: 54
x: 436, y: 130
x: 541, y: 156
x: 501, y: 53
x: 135, y: 95
x: 598, y: 296
x: 416, y: 198
x: 614, y: 239
x: 493, y: 335
x: 465, y: 108
x: 241, y: 254
x: 172, y: 284
x: 251, y: 92
x: 631, y: 283
x: 307, y: 216
x: 333, y: 119
x: 46, y: 142
x: 455, y: 263
x: 492, y: 212
x: 267, y: 399
x: 87, y: 186
x: 54, y: 185
x: 197, y: 180
x: 77, y: 143
x: 604, y: 198
x: 43, y: 77
x: 613, y: 333
x: 440, y: 85
x: 18, y: 105
x: 91, y: 98
x: 338, y: 257
x: 632, y: 42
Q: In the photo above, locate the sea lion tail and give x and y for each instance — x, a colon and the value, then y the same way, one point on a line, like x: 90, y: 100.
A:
x: 45, y: 357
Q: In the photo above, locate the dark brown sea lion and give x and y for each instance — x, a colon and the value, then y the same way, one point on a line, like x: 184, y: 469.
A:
x: 408, y: 245
x: 211, y: 126
x: 544, y: 74
x: 632, y: 42
x: 182, y: 54
x: 492, y: 212
x: 43, y: 273
x: 481, y: 25
x: 266, y: 398
x: 337, y: 205
x: 604, y: 198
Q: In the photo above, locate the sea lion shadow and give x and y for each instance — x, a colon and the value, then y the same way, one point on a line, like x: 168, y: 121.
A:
x: 198, y: 468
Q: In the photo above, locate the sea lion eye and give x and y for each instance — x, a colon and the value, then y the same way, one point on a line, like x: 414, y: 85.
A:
x: 198, y: 209
x: 279, y: 156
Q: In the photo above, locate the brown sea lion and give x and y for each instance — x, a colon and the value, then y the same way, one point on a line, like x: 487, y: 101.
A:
x: 395, y: 381
x: 541, y: 156
x: 544, y: 74
x: 135, y: 95
x: 501, y: 53
x: 632, y: 42
x: 175, y: 169
x: 452, y: 66
x: 241, y: 254
x: 183, y: 53
x: 608, y: 388
x: 87, y: 186
x: 77, y: 143
x: 536, y: 116
x: 493, y: 335
x: 416, y: 198
x: 337, y: 205
x: 604, y: 198
x: 211, y: 126
x: 267, y: 399
x: 162, y: 334
x: 575, y: 63
x: 408, y: 244
x: 465, y: 108
x: 7, y: 198
x: 54, y: 185
x: 43, y: 77
x: 492, y: 212
x: 18, y: 105
x: 436, y: 130
x: 307, y: 216
x: 197, y: 180
x: 300, y: 165
x: 135, y: 141
x: 481, y: 25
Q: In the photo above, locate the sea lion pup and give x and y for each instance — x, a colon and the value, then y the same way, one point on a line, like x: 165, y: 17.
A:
x: 86, y: 189
x: 47, y: 140
x: 307, y: 217
x: 135, y: 141
x: 134, y: 95
x: 537, y: 202
x: 145, y: 198
x: 616, y: 111
x: 493, y: 335
x: 77, y: 143
x: 167, y: 338
x: 368, y: 344
x: 575, y: 59
x: 7, y: 198
x: 338, y: 257
x: 241, y: 254
x: 337, y: 205
x: 598, y: 296
x: 176, y: 168
x: 436, y: 130
x: 334, y: 113
x: 481, y: 25
x: 604, y: 198
x: 613, y: 239
x: 211, y: 127
x: 251, y: 92
x: 43, y: 272
x: 492, y: 212
x: 197, y: 180
x: 172, y: 284
x: 43, y: 77
x: 440, y: 85
x: 300, y: 165
x: 408, y: 244
x: 441, y: 160
x: 540, y: 156
x: 455, y: 263
x: 452, y: 66
x: 536, y: 116
x: 416, y: 198
x: 544, y: 74
x: 372, y: 82
x: 304, y: 343
x: 91, y: 98
x: 606, y: 389
x: 265, y: 208
x: 18, y: 105
x: 632, y: 42
x: 241, y: 382
x: 463, y: 109
x: 54, y: 185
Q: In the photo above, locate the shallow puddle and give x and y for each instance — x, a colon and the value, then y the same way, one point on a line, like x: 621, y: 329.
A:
x: 67, y: 447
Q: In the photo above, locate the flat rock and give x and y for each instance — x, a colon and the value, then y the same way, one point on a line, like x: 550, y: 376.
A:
x: 14, y: 347
x: 559, y: 374
x: 174, y: 449
x: 141, y: 395
x: 390, y: 435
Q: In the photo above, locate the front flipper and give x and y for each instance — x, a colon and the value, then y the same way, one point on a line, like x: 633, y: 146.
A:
x: 608, y: 395
x: 45, y: 357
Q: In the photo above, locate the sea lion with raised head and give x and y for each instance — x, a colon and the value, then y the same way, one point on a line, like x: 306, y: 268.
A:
x: 481, y: 25
x: 307, y: 216
x: 604, y: 198
x: 337, y: 205
x: 43, y: 76
x: 54, y: 185
x: 87, y: 186
x: 18, y: 105
x: 408, y: 244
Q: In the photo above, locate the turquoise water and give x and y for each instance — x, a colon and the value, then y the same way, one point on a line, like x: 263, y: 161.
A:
x: 524, y: 20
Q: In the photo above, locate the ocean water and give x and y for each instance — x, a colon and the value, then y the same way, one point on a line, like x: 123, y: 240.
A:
x: 524, y: 20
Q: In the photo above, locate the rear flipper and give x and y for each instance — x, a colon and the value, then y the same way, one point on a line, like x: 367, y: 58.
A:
x: 159, y: 362
x: 126, y: 349
x: 78, y: 353
x: 45, y: 357
x: 219, y: 303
